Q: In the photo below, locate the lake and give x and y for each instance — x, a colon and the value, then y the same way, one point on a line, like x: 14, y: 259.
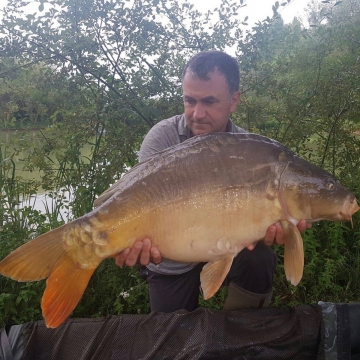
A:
x: 14, y: 150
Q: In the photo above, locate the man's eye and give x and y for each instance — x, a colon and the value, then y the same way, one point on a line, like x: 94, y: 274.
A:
x: 209, y: 102
x: 190, y: 101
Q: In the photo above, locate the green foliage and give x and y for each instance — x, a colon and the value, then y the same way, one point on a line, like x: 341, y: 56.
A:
x: 114, y: 291
x: 331, y: 270
x: 33, y: 94
x: 124, y: 53
x: 300, y: 86
x: 111, y: 290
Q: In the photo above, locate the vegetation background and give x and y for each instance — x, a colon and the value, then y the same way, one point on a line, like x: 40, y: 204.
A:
x: 100, y: 73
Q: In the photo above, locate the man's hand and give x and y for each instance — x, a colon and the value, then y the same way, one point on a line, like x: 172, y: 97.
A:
x: 141, y: 252
x: 275, y: 233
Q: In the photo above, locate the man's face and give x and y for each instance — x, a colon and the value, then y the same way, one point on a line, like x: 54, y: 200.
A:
x: 208, y: 103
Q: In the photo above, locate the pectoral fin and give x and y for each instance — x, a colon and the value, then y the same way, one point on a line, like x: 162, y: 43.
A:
x: 294, y: 253
x: 213, y: 275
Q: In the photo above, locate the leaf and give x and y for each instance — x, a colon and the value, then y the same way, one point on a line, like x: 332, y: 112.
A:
x: 41, y: 7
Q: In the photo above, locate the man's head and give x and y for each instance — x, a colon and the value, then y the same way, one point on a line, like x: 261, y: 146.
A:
x: 211, y: 91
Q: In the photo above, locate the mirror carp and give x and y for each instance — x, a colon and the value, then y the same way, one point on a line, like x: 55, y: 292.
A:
x: 203, y: 200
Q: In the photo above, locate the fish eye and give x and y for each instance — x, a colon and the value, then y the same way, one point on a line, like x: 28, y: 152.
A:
x: 329, y: 184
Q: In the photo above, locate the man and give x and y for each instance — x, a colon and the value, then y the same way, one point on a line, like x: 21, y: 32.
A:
x: 210, y: 85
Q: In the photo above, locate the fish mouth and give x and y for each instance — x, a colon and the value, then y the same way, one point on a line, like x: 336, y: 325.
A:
x: 346, y: 217
x: 350, y: 208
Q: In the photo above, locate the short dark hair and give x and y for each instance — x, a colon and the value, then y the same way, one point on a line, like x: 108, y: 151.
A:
x: 205, y: 62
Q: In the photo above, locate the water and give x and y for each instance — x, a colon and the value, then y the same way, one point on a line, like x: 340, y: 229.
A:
x: 14, y: 151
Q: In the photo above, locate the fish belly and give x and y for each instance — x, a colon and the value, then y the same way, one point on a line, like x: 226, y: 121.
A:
x: 202, y: 228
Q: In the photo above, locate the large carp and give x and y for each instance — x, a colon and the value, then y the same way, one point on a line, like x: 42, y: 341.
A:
x: 201, y: 201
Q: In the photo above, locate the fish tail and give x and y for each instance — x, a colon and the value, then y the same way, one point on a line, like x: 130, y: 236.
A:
x: 64, y: 289
x: 47, y: 257
x: 36, y: 259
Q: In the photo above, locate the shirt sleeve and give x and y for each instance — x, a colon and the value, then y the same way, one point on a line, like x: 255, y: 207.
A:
x: 238, y: 129
x: 161, y: 136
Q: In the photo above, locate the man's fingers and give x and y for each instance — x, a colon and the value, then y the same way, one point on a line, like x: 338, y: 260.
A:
x: 145, y: 253
x: 303, y: 225
x: 251, y: 246
x: 141, y: 252
x: 274, y: 234
x: 134, y: 253
x: 270, y: 235
x: 155, y: 255
x: 279, y: 236
x: 120, y: 258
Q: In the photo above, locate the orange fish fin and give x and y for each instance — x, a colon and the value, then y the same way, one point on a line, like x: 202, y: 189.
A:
x: 213, y: 275
x: 293, y: 253
x: 65, y: 287
x: 35, y: 259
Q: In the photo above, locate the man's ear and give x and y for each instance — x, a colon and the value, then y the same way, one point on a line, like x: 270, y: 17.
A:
x: 234, y: 101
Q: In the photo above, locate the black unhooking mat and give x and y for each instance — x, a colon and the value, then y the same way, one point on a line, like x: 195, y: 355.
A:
x: 304, y: 332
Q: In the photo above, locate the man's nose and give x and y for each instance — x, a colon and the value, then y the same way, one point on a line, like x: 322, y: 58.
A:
x: 199, y: 111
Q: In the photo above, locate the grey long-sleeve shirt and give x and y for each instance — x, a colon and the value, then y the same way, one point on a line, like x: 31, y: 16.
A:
x: 163, y: 135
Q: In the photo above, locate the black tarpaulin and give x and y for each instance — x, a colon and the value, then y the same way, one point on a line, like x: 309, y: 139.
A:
x: 271, y: 333
x: 326, y: 331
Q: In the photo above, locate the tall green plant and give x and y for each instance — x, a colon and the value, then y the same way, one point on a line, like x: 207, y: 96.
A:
x: 300, y: 86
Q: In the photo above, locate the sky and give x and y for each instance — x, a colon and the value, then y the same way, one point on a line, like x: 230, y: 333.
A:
x: 255, y: 9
